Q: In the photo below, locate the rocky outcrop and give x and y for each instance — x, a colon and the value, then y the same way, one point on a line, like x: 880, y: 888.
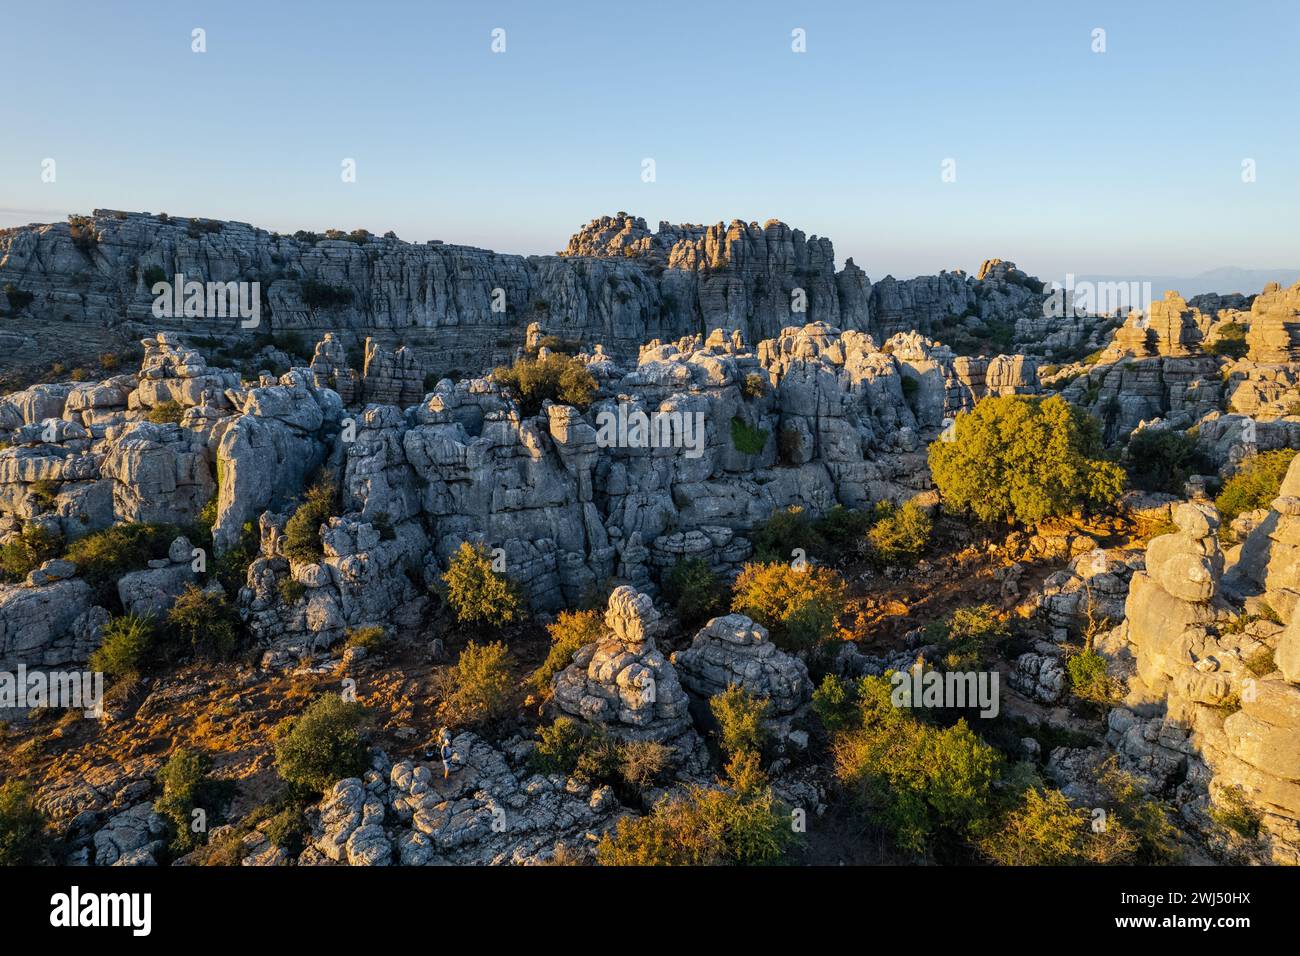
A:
x: 487, y: 813
x: 1274, y: 335
x: 734, y: 651
x: 1209, y: 716
x: 616, y: 282
x: 625, y: 684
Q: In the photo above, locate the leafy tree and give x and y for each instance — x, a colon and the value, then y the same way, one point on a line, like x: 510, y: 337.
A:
x: 322, y: 745
x: 968, y: 635
x: 899, y: 535
x: 925, y: 783
x: 302, y: 530
x: 799, y: 607
x: 740, y: 719
x: 739, y: 822
x: 1256, y: 483
x: 694, y: 591
x: 479, y: 687
x: 1161, y: 459
x: 185, y: 783
x: 22, y: 826
x: 479, y: 594
x: 1022, y: 459
x: 560, y: 378
x: 571, y: 631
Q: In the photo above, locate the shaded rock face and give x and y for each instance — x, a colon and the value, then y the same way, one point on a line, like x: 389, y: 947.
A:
x: 615, y: 283
x: 1203, y: 716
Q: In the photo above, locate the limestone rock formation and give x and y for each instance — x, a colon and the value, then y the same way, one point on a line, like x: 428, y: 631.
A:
x: 624, y: 683
x: 733, y: 650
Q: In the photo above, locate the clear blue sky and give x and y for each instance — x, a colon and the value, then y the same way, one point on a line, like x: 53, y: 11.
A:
x: 1067, y: 160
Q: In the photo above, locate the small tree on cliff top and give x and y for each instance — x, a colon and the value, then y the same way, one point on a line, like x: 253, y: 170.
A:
x: 1022, y: 459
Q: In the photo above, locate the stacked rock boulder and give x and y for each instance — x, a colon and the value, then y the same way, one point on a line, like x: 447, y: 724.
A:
x: 1208, y: 717
x: 625, y: 684
x: 734, y: 651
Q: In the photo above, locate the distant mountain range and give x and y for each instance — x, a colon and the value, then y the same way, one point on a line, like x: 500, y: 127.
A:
x: 1224, y: 279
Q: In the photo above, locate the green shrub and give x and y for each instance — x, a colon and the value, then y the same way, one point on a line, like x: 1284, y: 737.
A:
x: 369, y: 638
x: 559, y: 747
x: 1230, y: 342
x: 799, y: 607
x: 104, y: 556
x: 127, y: 641
x: 923, y: 782
x: 1256, y: 483
x: 740, y: 822
x: 1088, y: 678
x: 290, y: 590
x: 571, y: 631
x: 302, y: 530
x: 289, y: 829
x: 479, y: 594
x: 168, y: 412
x: 1232, y: 811
x: 900, y: 535
x: 969, y: 635
x: 479, y: 687
x: 321, y: 295
x: 842, y: 531
x: 740, y: 719
x: 44, y: 492
x: 205, y: 621
x: 153, y: 275
x: 19, y: 299
x: 835, y: 703
x: 28, y: 550
x: 322, y: 745
x: 1155, y: 838
x: 1160, y: 459
x: 784, y: 532
x: 22, y: 826
x: 1022, y: 459
x: 1044, y: 830
x: 747, y: 439
x: 694, y: 591
x: 185, y: 788
x: 643, y: 763
x: 560, y: 378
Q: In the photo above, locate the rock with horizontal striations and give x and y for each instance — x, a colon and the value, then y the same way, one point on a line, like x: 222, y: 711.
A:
x: 734, y: 651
